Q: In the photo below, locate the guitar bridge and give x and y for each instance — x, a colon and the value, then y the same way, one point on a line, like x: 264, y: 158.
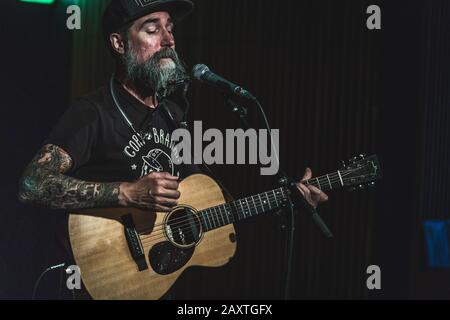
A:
x: 134, y: 243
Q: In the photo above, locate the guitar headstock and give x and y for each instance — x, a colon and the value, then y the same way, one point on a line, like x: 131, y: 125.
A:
x: 361, y: 172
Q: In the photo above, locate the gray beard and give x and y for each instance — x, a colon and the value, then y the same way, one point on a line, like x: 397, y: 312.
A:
x: 152, y: 77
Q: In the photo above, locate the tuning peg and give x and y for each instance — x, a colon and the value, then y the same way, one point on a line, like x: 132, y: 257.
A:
x: 371, y: 185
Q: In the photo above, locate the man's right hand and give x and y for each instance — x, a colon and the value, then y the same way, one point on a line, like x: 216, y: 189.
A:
x: 156, y: 191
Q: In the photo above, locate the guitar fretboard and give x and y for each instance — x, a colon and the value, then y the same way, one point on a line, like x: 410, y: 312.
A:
x: 327, y: 182
x: 228, y: 213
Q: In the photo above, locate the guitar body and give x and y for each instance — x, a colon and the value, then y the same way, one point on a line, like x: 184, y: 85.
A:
x: 108, y: 268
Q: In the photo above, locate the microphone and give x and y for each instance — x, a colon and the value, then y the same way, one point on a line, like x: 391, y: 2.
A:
x: 61, y: 265
x: 202, y: 73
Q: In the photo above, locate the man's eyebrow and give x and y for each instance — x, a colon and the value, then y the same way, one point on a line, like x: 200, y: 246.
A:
x: 155, y: 20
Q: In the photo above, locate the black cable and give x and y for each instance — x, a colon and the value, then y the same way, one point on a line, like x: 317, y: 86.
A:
x: 290, y: 243
x: 36, y: 285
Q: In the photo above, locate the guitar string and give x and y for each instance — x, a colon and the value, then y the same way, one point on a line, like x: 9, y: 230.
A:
x: 186, y: 227
x: 332, y: 181
x: 211, y: 213
x: 323, y: 181
x: 185, y: 223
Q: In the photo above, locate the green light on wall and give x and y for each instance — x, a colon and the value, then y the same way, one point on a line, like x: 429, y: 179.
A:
x: 39, y: 1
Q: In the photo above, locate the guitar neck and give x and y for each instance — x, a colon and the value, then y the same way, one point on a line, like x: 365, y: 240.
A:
x: 228, y: 213
x: 327, y: 182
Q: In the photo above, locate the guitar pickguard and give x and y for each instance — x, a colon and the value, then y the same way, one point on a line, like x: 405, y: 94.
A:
x: 165, y: 258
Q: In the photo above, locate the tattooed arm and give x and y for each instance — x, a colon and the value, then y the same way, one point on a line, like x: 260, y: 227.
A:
x: 45, y: 184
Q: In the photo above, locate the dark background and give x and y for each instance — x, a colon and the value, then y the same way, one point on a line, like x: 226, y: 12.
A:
x: 334, y: 89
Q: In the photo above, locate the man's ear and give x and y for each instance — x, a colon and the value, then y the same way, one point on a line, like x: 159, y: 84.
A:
x: 117, y: 43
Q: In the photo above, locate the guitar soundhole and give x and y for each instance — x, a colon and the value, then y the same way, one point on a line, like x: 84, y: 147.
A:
x: 182, y: 227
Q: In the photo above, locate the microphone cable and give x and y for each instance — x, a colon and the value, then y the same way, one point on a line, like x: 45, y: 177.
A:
x: 36, y: 285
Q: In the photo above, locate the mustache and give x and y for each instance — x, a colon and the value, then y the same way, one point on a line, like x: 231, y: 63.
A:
x: 165, y: 53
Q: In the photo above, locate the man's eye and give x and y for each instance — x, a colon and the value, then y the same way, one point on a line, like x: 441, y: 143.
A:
x: 152, y: 31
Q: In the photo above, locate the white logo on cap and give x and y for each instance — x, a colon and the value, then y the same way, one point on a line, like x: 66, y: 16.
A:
x: 144, y: 3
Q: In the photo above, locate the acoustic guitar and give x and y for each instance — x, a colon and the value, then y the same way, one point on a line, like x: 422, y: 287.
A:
x: 128, y: 253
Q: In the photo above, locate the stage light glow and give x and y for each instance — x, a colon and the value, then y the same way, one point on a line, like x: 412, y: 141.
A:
x: 39, y: 1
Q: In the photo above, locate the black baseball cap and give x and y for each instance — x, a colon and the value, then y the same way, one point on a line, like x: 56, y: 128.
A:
x: 120, y: 13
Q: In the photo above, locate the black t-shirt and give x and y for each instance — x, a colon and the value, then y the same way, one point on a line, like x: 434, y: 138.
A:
x: 105, y: 149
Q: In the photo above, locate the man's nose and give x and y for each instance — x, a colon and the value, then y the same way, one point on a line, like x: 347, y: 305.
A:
x: 167, y: 39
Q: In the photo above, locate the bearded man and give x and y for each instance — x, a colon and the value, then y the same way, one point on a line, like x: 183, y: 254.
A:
x: 113, y: 147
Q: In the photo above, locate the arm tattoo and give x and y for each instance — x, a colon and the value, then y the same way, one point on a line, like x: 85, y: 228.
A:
x: 44, y: 183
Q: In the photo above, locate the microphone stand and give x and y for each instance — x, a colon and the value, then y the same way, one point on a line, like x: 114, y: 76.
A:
x: 284, y: 181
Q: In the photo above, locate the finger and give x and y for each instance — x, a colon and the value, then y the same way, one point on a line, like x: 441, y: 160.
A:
x: 323, y: 197
x: 169, y: 184
x: 318, y: 194
x: 315, y: 190
x: 319, y: 199
x: 160, y: 208
x: 307, y: 175
x: 168, y: 193
x: 168, y: 176
x: 164, y: 201
x: 162, y: 175
x: 306, y: 192
x: 300, y: 189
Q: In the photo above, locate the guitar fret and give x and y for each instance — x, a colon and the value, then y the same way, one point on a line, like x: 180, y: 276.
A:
x: 211, y: 217
x: 214, y: 219
x: 203, y: 222
x: 280, y: 200
x: 340, y: 177
x: 262, y: 204
x: 254, y: 203
x: 248, y: 207
x: 226, y: 215
x: 243, y: 211
x: 227, y: 211
x: 318, y: 182
x: 217, y: 216
x: 221, y: 215
x: 268, y: 200
x: 230, y: 211
x: 329, y: 182
x: 235, y: 210
x: 208, y: 222
x: 275, y: 195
